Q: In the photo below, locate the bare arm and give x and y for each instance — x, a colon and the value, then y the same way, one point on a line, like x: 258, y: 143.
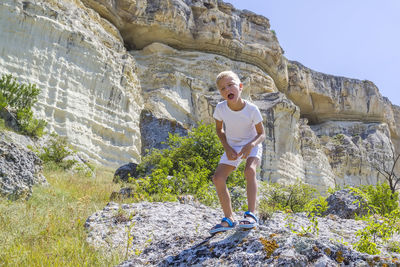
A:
x: 253, y: 143
x: 230, y: 152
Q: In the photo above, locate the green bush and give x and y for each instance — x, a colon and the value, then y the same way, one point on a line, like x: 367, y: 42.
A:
x: 56, y: 150
x: 184, y: 168
x: 378, y: 232
x: 383, y: 220
x: 20, y: 98
x: 29, y: 125
x: 379, y: 198
x: 317, y: 206
x: 293, y: 197
x: 201, y: 148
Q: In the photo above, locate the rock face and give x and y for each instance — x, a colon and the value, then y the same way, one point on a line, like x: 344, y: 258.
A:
x: 317, y: 167
x: 352, y: 148
x: 90, y: 92
x: 210, y: 26
x: 118, y: 76
x: 19, y: 171
x: 176, y: 84
x: 173, y: 234
x: 323, y: 97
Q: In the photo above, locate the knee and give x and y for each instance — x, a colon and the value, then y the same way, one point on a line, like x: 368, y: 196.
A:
x: 218, y: 180
x: 250, y: 172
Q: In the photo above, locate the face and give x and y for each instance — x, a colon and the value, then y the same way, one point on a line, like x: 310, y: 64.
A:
x: 229, y: 88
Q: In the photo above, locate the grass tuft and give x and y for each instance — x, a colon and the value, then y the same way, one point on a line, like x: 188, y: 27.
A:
x: 48, y: 229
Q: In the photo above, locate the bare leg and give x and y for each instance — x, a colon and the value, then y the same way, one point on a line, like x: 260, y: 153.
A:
x: 251, y: 186
x: 219, y: 179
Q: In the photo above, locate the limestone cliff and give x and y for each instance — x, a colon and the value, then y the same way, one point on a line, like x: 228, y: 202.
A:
x: 117, y: 76
x: 90, y: 92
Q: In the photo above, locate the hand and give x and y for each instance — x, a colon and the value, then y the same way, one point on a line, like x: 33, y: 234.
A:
x: 231, y: 154
x: 245, y: 152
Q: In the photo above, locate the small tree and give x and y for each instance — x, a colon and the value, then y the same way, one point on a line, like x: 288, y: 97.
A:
x: 388, y: 171
x: 16, y: 95
x: 20, y: 98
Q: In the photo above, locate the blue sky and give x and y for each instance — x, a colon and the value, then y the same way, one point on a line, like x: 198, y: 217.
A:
x: 352, y: 38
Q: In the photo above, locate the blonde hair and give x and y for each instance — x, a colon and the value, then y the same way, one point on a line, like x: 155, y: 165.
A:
x: 227, y: 73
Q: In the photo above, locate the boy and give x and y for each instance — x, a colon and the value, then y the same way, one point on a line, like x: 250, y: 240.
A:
x: 241, y: 139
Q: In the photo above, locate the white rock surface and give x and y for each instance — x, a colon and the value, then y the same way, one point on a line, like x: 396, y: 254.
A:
x: 207, y: 25
x: 90, y: 92
x: 352, y: 149
x: 170, y: 234
x: 176, y: 84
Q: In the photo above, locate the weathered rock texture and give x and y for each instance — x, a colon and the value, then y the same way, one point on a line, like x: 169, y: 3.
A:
x: 211, y: 26
x: 170, y: 234
x: 323, y: 97
x: 114, y: 104
x: 176, y: 84
x: 19, y: 170
x: 90, y: 92
x: 346, y: 205
x: 353, y: 148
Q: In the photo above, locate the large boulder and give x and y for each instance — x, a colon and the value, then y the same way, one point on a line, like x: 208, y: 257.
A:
x: 174, y: 234
x: 346, y: 204
x: 19, y: 171
x: 126, y: 171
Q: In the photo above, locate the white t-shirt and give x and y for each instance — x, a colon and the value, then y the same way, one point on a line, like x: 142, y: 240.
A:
x: 239, y: 125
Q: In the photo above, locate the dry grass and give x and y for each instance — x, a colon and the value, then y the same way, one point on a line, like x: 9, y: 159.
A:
x: 48, y: 229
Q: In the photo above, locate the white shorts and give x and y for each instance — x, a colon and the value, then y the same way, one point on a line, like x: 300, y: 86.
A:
x: 255, y: 152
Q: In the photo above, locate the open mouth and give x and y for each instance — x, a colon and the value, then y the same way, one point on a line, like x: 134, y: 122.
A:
x: 231, y: 96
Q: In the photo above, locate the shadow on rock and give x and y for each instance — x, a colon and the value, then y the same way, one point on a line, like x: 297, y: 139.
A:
x: 214, y: 246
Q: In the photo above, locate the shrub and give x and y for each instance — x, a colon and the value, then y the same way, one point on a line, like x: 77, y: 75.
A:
x: 379, y: 198
x: 378, y: 232
x: 16, y: 95
x: 293, y: 197
x: 201, y: 148
x: 382, y: 221
x: 56, y: 150
x: 29, y: 125
x: 20, y: 98
x: 185, y: 167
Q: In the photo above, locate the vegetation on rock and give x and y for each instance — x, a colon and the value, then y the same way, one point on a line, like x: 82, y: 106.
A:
x: 19, y: 98
x: 184, y: 168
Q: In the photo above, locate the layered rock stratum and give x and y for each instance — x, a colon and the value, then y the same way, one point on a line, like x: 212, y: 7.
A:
x: 118, y: 76
x: 90, y: 92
